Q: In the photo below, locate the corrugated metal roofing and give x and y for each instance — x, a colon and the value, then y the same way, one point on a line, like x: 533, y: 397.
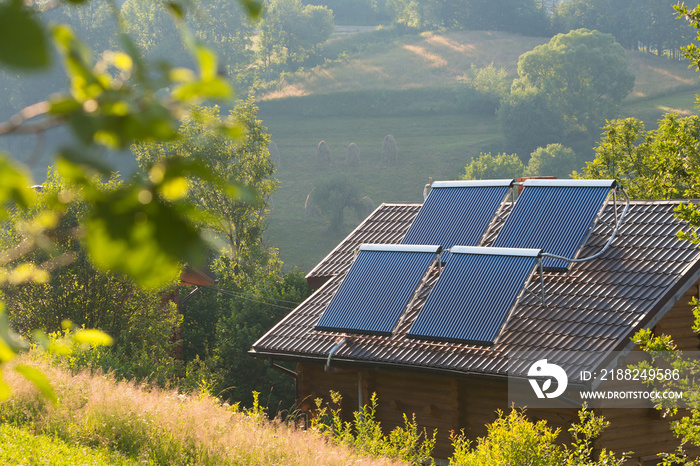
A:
x: 386, y: 225
x: 473, y: 296
x: 555, y: 219
x: 594, y: 309
x: 377, y: 289
x: 456, y: 214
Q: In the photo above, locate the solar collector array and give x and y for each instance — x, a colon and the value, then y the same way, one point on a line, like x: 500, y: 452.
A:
x: 457, y: 212
x: 474, y: 295
x: 377, y: 289
x: 554, y: 216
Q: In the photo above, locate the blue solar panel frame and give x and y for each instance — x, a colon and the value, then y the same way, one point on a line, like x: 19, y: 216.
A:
x: 457, y: 212
x: 377, y: 288
x: 556, y: 216
x: 474, y: 295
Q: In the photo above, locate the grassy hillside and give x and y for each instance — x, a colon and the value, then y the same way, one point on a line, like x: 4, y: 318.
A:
x: 407, y: 86
x: 112, y: 422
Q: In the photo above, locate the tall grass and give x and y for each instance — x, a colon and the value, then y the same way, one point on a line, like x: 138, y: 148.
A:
x: 161, y: 427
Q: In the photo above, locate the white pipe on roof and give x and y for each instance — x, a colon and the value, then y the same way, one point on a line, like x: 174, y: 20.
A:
x: 433, y: 248
x: 526, y: 252
x: 333, y: 350
x: 570, y: 183
x: 471, y: 183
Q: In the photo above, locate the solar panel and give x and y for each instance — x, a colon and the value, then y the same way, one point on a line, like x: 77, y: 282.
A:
x: 474, y: 295
x: 555, y: 216
x: 377, y: 288
x: 457, y: 212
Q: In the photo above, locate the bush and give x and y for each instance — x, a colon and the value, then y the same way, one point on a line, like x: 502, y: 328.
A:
x: 483, y: 89
x: 513, y: 439
x: 489, y: 167
x: 364, y: 433
x: 553, y: 160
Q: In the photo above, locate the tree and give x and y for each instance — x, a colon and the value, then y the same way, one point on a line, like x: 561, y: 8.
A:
x: 553, y: 160
x: 657, y: 164
x: 664, y: 162
x: 143, y: 227
x: 245, y: 163
x: 333, y: 195
x: 576, y: 80
x: 487, y: 166
x: 417, y: 14
x: 291, y: 32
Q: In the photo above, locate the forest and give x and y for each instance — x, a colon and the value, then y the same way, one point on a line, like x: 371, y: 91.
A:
x: 243, y: 139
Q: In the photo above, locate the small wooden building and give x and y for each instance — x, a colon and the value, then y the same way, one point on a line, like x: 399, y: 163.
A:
x: 644, y: 278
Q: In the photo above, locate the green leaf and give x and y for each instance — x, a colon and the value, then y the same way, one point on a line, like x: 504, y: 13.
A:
x: 15, y: 187
x: 5, y: 391
x: 93, y: 337
x: 217, y: 88
x: 132, y: 231
x: 23, y: 41
x: 63, y: 105
x: 38, y: 379
x: 86, y: 160
x: 253, y: 7
x: 176, y: 10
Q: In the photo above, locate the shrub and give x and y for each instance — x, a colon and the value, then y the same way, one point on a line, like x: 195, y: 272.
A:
x: 365, y: 433
x: 553, y: 160
x: 489, y: 167
x: 513, y: 439
x: 483, y: 89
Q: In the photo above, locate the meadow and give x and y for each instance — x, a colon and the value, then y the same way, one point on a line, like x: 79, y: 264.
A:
x: 375, y: 83
x: 100, y: 421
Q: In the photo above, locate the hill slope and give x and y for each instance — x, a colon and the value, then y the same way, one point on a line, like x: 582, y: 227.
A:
x: 407, y: 86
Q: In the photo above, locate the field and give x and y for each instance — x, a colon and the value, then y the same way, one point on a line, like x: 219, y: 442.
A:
x: 407, y: 86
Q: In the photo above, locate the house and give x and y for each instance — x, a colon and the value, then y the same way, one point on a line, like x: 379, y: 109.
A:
x: 433, y: 352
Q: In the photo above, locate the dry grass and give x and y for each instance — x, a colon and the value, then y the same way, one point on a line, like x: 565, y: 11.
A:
x: 440, y: 59
x: 430, y: 59
x: 161, y: 427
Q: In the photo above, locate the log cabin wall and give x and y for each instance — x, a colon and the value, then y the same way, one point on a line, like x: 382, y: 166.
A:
x: 433, y: 399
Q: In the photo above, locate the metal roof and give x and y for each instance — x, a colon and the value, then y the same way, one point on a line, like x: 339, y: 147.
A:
x: 387, y: 225
x: 593, y: 310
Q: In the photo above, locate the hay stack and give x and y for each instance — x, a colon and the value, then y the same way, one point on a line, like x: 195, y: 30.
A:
x: 352, y: 156
x: 311, y: 210
x: 390, y: 151
x: 323, y: 155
